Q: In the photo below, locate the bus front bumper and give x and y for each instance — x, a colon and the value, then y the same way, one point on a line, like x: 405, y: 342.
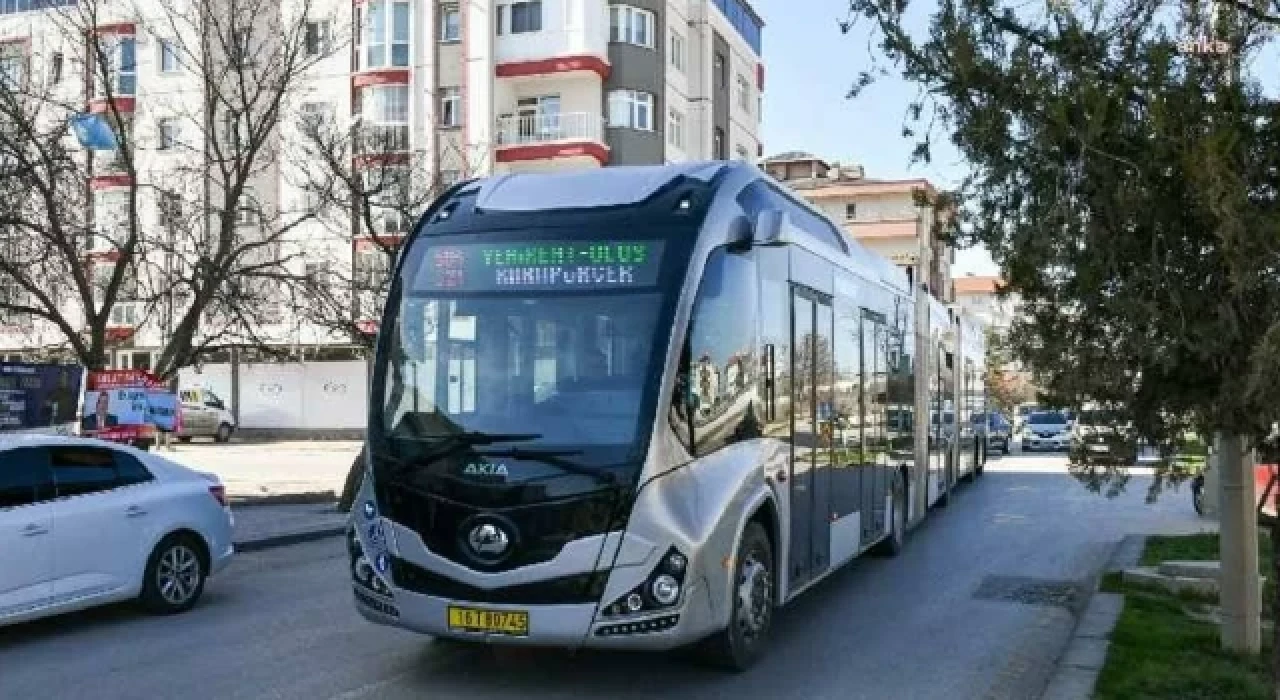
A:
x: 567, y: 626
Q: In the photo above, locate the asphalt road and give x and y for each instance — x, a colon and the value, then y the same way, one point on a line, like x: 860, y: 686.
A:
x: 929, y: 624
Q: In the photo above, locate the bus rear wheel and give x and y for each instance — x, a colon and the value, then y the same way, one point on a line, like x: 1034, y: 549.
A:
x: 740, y: 645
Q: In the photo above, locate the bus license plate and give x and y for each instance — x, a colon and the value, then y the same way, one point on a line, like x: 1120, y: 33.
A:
x: 506, y: 622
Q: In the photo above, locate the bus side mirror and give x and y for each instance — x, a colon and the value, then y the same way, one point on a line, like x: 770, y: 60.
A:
x: 768, y: 227
x: 741, y: 235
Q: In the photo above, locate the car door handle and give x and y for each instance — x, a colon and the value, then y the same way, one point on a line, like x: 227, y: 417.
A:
x: 135, y: 511
x: 34, y: 529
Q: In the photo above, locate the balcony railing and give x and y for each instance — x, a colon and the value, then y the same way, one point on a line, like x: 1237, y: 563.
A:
x: 528, y: 129
x: 374, y: 139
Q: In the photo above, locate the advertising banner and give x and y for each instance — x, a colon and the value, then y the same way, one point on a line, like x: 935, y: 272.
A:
x: 127, y: 405
x: 39, y: 397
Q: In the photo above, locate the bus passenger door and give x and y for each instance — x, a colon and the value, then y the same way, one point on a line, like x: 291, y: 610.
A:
x: 811, y: 398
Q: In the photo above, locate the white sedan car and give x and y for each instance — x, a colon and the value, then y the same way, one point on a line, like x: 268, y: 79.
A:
x: 85, y: 522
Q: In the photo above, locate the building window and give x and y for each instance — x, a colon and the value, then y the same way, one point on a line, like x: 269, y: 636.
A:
x: 317, y: 272
x: 851, y: 211
x: 744, y: 93
x: 13, y: 68
x: 742, y: 153
x: 717, y: 144
x: 121, y: 66
x: 676, y: 50
x: 675, y: 128
x: 315, y: 117
x: 385, y: 104
x: 631, y: 108
x: 168, y: 129
x: 319, y: 35
x: 450, y: 23
x: 451, y: 106
x: 55, y: 68
x: 631, y: 25
x: 170, y: 210
x: 519, y: 17
x: 247, y: 208
x: 384, y: 111
x: 385, y: 34
x: 168, y: 57
x: 718, y: 72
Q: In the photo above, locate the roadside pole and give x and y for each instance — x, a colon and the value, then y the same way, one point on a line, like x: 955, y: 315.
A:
x: 1241, y: 595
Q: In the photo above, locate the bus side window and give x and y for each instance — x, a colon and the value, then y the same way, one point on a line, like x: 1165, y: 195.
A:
x: 717, y: 378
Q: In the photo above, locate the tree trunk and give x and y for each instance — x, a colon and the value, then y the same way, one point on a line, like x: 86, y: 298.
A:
x: 354, y: 476
x: 1275, y: 606
x: 1240, y: 595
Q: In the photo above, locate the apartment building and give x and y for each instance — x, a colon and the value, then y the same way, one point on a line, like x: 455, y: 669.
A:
x: 454, y: 88
x: 894, y: 218
x: 978, y: 294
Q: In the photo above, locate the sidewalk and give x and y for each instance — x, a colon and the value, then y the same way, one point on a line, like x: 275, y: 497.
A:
x: 259, y: 527
x: 251, y: 471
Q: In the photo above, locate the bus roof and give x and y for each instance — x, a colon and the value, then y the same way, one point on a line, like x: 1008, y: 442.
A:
x: 617, y: 185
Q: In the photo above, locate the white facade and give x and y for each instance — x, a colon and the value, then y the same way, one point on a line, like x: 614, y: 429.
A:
x: 467, y: 88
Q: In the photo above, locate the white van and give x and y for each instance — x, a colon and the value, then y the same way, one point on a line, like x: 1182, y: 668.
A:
x: 204, y: 414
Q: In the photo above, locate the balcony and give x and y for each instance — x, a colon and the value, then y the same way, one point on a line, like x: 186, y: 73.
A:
x: 525, y: 137
x: 569, y: 39
x: 381, y: 144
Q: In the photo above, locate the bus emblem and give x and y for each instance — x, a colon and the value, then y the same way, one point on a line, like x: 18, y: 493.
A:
x: 485, y: 469
x: 488, y: 541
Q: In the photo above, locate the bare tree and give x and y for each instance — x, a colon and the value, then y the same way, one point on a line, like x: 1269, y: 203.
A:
x: 367, y: 188
x: 176, y: 224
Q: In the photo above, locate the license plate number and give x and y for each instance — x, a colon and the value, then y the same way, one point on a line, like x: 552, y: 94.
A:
x: 508, y: 622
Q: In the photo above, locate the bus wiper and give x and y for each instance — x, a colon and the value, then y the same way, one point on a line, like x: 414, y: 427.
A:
x: 453, y: 442
x: 556, y: 458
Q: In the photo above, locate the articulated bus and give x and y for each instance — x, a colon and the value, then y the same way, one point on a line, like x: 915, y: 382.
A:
x: 643, y: 408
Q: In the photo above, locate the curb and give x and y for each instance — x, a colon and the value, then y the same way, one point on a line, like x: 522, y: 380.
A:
x: 289, y: 538
x: 308, y: 498
x: 1076, y: 672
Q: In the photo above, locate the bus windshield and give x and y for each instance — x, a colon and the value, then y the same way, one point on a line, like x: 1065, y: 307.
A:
x: 570, y: 369
x: 546, y: 354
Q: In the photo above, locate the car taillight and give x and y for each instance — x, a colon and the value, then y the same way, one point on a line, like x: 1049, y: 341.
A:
x: 219, y: 493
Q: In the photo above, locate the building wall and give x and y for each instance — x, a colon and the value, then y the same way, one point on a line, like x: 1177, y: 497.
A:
x: 639, y: 68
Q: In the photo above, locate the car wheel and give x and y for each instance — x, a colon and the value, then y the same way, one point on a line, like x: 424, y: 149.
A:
x: 892, y: 545
x: 740, y: 645
x: 223, y: 434
x: 175, y: 575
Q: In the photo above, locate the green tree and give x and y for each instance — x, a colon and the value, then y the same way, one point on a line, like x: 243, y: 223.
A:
x: 1125, y: 165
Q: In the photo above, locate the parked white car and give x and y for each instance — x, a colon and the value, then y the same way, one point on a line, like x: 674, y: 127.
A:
x: 85, y: 522
x: 1046, y: 430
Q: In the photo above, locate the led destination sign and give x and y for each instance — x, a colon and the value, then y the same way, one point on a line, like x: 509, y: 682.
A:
x: 557, y: 265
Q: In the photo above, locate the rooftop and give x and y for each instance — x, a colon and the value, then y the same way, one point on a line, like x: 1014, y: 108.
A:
x: 977, y: 284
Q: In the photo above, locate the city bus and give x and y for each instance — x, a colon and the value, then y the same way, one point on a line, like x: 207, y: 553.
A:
x: 644, y: 407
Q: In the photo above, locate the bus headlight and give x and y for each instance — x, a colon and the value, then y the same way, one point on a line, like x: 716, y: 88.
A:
x: 661, y: 590
x: 665, y: 589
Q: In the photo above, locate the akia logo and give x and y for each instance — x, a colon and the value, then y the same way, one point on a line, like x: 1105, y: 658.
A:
x: 485, y: 469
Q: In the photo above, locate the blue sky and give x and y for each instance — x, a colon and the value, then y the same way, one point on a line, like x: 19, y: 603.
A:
x: 809, y: 68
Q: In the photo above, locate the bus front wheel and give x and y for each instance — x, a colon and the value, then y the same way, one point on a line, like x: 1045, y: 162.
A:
x: 740, y: 645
